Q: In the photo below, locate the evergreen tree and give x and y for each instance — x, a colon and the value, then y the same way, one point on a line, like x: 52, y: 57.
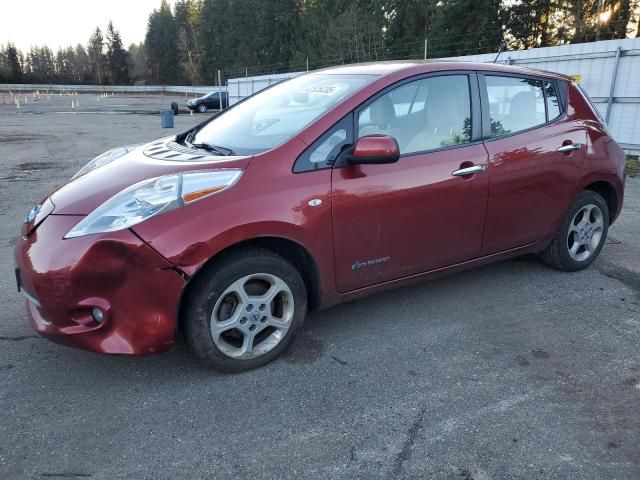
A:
x: 466, y: 27
x: 4, y: 69
x: 64, y: 65
x: 116, y: 57
x: 340, y: 31
x: 409, y: 24
x: 163, y: 56
x: 213, y: 39
x: 187, y: 13
x: 96, y: 57
x: 82, y: 65
x: 13, y: 57
x: 528, y: 24
x: 40, y: 65
x: 199, y: 37
x: 137, y: 62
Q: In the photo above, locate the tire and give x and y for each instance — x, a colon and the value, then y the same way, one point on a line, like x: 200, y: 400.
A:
x: 232, y: 332
x: 202, y: 108
x: 579, y: 240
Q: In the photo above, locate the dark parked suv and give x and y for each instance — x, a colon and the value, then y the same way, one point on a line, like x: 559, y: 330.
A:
x: 211, y: 101
x: 324, y: 188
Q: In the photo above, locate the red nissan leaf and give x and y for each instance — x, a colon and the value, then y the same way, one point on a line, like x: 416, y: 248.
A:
x: 320, y: 189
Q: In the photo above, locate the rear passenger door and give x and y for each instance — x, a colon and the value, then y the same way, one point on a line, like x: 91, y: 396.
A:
x: 524, y: 125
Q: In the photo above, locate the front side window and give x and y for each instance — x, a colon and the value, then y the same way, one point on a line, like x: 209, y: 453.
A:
x: 515, y: 104
x: 324, y: 151
x: 426, y: 114
x: 273, y: 116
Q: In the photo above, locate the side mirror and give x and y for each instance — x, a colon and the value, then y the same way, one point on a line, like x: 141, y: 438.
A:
x: 375, y: 149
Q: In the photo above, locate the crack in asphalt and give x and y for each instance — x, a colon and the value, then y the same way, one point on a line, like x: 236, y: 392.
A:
x: 630, y: 278
x: 19, y: 338
x: 336, y: 359
x: 407, y: 446
x: 65, y: 475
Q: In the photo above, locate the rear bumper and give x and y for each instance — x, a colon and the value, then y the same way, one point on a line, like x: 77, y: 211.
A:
x: 63, y: 280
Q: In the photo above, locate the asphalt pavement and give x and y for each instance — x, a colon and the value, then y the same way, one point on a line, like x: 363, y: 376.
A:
x: 513, y: 370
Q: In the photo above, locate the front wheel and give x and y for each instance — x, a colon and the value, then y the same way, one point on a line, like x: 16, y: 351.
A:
x: 581, y: 235
x: 244, y: 311
x: 202, y: 108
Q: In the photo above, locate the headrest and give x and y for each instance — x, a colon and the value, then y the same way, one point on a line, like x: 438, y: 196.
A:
x: 382, y: 112
x: 523, y: 105
x: 444, y: 111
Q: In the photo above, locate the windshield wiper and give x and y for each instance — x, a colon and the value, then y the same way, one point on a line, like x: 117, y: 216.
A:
x: 213, y: 148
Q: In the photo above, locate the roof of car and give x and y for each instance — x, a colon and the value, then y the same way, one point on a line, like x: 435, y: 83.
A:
x: 414, y: 67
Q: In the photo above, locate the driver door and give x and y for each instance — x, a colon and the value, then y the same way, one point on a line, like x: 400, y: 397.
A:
x: 396, y: 220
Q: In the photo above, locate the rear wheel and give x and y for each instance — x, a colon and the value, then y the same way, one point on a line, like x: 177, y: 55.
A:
x: 245, y: 310
x: 581, y: 235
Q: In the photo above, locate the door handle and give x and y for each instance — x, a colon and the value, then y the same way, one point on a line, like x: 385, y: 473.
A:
x: 463, y: 172
x: 572, y: 147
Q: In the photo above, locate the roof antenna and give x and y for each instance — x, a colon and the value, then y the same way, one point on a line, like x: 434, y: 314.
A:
x: 503, y: 48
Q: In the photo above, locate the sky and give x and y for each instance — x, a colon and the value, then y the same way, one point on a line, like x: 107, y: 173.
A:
x: 68, y: 22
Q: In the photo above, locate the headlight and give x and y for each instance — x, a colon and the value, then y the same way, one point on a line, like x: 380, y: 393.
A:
x: 152, y: 197
x: 106, y: 157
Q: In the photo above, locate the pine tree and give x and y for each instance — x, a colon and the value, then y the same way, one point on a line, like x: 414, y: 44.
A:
x: 82, y: 64
x: 96, y: 56
x: 64, y: 64
x: 466, y: 27
x: 214, y: 40
x: 409, y: 24
x: 187, y: 14
x: 161, y: 41
x: 116, y: 57
x: 137, y: 62
x: 14, y: 64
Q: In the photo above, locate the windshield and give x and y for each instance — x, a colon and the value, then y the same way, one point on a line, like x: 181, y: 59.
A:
x: 274, y: 115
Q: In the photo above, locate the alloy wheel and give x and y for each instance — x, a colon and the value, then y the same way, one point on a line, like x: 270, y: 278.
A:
x: 252, y: 316
x: 585, y: 232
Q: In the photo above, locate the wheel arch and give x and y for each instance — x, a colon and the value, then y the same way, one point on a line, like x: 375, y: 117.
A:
x: 291, y: 250
x: 608, y: 192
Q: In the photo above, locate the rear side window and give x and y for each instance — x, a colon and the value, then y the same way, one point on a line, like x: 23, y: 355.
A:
x: 515, y: 104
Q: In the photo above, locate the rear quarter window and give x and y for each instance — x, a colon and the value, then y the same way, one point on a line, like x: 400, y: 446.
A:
x: 553, y: 100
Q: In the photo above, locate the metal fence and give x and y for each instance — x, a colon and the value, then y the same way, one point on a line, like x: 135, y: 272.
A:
x: 240, y: 88
x: 123, y: 89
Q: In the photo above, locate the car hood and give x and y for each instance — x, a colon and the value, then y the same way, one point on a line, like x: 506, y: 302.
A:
x: 84, y: 194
